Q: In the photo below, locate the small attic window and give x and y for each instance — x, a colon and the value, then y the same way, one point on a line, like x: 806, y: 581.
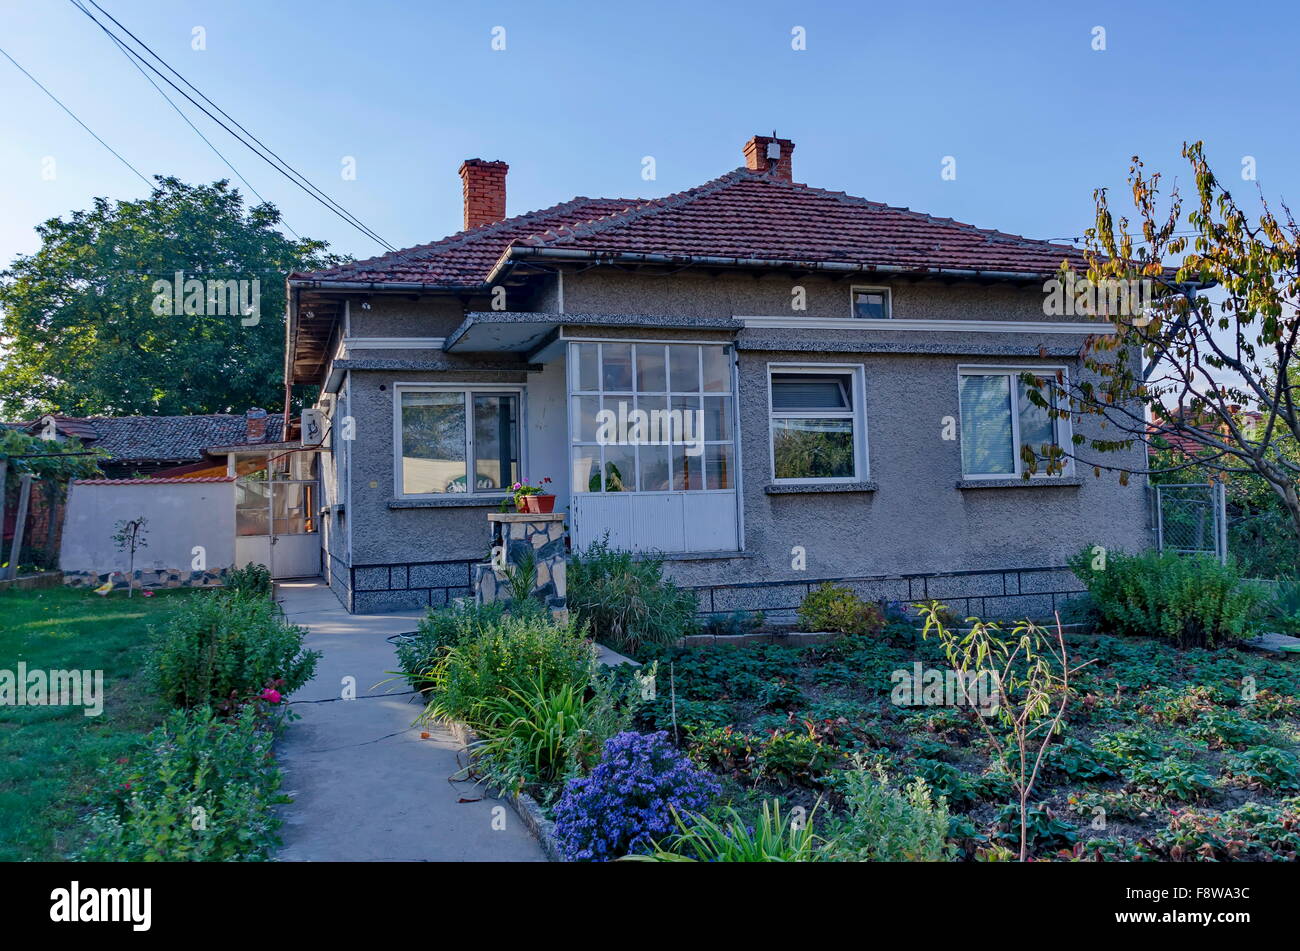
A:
x: 871, y: 303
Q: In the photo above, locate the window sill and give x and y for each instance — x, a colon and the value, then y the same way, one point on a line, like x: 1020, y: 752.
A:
x: 812, y: 488
x: 1058, y: 482
x: 450, y: 502
x: 699, y: 555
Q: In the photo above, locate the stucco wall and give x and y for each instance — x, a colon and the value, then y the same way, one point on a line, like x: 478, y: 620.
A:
x: 729, y: 295
x: 178, y: 516
x: 916, y: 521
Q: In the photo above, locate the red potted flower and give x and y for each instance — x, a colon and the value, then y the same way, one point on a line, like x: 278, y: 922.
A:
x: 533, y: 498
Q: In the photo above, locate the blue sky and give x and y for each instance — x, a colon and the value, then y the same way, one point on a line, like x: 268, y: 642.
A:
x: 1035, y: 118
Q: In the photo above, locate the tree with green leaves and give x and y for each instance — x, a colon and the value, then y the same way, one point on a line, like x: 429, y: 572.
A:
x: 1217, y: 377
x: 148, y: 307
x: 53, y: 463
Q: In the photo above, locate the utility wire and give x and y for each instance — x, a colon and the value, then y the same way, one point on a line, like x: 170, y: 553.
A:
x: 131, y: 59
x: 148, y: 183
x: 279, y: 164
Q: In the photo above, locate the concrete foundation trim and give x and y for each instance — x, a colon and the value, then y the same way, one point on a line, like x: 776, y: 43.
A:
x: 1001, y: 593
x: 395, y: 586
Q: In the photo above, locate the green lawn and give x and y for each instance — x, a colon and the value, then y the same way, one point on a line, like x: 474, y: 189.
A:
x: 49, y: 756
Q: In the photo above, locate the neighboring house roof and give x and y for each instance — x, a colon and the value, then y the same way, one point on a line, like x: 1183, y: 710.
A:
x: 1180, y: 441
x: 744, y: 216
x: 163, y: 438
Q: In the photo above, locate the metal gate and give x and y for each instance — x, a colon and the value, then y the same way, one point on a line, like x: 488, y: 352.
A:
x: 1192, y: 519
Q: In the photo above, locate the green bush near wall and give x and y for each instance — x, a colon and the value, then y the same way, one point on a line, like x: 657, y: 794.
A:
x: 1191, y: 600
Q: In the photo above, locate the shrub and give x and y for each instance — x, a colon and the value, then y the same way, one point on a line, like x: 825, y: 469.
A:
x: 1191, y: 600
x: 625, y: 600
x: 831, y: 608
x: 627, y: 801
x: 774, y: 838
x: 538, y: 737
x: 512, y: 653
x: 442, y: 629
x: 193, y: 770
x: 885, y: 824
x: 251, y: 580
x: 222, y: 648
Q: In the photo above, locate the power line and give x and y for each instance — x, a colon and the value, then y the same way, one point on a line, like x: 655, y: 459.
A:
x: 148, y: 183
x: 131, y: 59
x: 279, y: 164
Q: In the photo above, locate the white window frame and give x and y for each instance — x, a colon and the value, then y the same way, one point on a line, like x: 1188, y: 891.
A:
x: 572, y: 382
x: 889, y: 300
x: 467, y: 391
x: 861, y: 454
x: 1064, y: 427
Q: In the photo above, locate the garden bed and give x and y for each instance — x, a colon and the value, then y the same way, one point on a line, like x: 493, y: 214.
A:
x: 1164, y: 753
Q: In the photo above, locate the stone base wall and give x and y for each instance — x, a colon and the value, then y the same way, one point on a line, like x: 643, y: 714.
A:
x: 1011, y: 593
x: 147, y: 578
x: 403, y: 586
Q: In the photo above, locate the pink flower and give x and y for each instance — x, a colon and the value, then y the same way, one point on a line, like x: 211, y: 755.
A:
x: 271, y: 696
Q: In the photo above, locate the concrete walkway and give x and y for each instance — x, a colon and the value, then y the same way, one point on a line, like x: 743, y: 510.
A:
x: 366, y: 788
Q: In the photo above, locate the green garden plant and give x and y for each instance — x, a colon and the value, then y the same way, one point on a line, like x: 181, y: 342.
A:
x: 251, y: 581
x: 196, y: 789
x: 511, y: 653
x: 1191, y: 600
x: 882, y: 823
x: 223, y: 648
x: 833, y: 608
x: 625, y: 600
x: 773, y: 838
x: 1031, y: 673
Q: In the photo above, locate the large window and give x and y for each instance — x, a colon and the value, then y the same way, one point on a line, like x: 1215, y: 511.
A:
x: 457, y: 441
x: 817, y: 429
x: 651, y: 417
x: 997, y: 419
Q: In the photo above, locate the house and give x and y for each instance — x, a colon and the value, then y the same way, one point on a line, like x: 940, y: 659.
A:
x: 156, y: 466
x: 840, y: 381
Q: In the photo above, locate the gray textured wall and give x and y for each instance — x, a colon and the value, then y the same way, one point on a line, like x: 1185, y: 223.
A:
x: 917, y: 520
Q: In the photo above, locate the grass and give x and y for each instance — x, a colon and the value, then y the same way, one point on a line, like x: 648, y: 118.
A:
x: 50, y: 756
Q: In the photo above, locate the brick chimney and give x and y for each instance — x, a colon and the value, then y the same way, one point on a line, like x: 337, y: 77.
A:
x: 484, y: 187
x: 255, y: 424
x: 766, y: 152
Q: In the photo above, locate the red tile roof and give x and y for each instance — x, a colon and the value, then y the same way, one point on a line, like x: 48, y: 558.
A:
x: 742, y: 215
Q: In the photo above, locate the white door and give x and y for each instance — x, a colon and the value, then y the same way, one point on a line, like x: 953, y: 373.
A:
x: 275, y: 517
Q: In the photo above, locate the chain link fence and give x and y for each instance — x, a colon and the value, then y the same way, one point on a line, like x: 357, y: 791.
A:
x: 1191, y: 519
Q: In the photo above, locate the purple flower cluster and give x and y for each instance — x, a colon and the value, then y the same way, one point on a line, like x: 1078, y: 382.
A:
x: 626, y: 802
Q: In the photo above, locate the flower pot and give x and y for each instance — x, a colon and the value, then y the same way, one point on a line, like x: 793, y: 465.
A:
x: 537, y: 504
